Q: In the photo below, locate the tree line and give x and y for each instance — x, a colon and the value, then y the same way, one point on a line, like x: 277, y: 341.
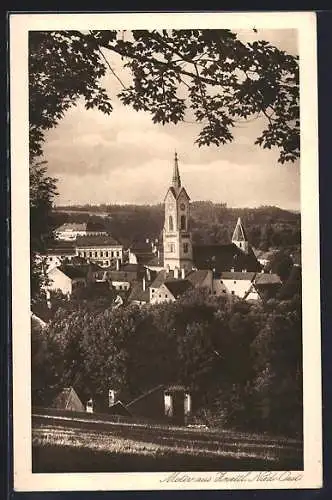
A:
x: 242, y: 362
x: 211, y: 223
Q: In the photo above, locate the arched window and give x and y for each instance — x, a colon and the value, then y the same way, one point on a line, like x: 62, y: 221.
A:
x: 170, y: 223
x: 183, y: 222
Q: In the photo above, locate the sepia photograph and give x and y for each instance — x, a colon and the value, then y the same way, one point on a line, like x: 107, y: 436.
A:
x: 165, y: 244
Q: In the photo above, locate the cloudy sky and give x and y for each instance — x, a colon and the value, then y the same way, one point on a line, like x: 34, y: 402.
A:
x: 125, y: 158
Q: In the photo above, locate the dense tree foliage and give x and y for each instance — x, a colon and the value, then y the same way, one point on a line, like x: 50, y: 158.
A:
x: 42, y: 193
x: 242, y: 362
x: 212, y: 74
x: 211, y: 223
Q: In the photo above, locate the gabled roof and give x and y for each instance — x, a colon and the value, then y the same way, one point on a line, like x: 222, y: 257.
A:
x: 196, y: 278
x: 161, y: 278
x: 138, y: 294
x: 73, y: 272
x: 177, y: 287
x: 237, y: 275
x: 239, y: 232
x: 119, y: 409
x: 122, y: 275
x: 223, y: 258
x: 156, y: 261
x: 73, y: 226
x: 61, y: 251
x: 144, y: 395
x: 103, y: 240
x: 267, y: 279
x: 66, y: 398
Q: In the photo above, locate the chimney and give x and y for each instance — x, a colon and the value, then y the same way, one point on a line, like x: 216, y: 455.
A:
x: 148, y: 274
x: 147, y: 241
x: 117, y: 264
x: 176, y: 273
x: 232, y: 270
x: 183, y: 273
x: 144, y: 284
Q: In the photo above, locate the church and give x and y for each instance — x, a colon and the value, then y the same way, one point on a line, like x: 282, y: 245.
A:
x: 230, y: 269
x: 178, y: 250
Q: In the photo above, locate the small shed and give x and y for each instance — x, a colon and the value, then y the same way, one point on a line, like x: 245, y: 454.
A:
x: 68, y: 399
x: 177, y: 403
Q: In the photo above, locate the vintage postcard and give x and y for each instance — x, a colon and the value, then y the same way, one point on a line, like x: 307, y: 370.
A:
x: 165, y: 251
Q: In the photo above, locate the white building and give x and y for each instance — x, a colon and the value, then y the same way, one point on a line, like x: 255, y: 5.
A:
x: 65, y: 279
x: 69, y: 231
x: 100, y: 249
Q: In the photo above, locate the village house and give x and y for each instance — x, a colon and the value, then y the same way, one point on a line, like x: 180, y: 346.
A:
x: 55, y: 256
x: 100, y: 249
x: 69, y: 231
x: 233, y: 283
x: 142, y: 252
x: 66, y: 279
x: 171, y: 403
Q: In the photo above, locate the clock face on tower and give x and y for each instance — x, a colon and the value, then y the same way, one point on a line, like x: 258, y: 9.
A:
x: 182, y: 206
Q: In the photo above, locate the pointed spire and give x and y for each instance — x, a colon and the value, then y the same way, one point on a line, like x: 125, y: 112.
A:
x: 239, y: 232
x: 176, y: 181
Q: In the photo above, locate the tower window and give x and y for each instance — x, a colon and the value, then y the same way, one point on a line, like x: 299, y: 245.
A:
x: 183, y: 222
x: 170, y: 223
x: 185, y: 247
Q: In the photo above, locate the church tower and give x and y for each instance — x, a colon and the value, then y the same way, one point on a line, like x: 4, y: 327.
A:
x: 176, y: 236
x: 239, y: 237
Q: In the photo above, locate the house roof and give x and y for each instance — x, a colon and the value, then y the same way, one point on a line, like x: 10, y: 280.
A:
x: 102, y: 240
x: 73, y: 226
x: 175, y: 388
x: 62, y: 251
x: 161, y: 278
x: 237, y: 275
x: 177, y: 287
x: 196, y: 278
x: 156, y: 261
x: 95, y: 226
x: 119, y: 409
x: 267, y: 279
x: 122, y: 275
x: 73, y: 272
x: 138, y: 294
x: 223, y: 258
x: 63, y: 398
x: 145, y: 394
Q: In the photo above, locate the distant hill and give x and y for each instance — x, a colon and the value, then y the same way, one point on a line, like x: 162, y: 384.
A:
x: 211, y: 223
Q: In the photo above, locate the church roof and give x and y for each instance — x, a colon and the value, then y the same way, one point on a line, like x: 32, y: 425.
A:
x: 176, y: 181
x: 224, y: 258
x: 176, y: 189
x: 239, y: 232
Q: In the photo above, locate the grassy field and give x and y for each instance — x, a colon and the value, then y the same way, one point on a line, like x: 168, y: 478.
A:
x: 62, y: 444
